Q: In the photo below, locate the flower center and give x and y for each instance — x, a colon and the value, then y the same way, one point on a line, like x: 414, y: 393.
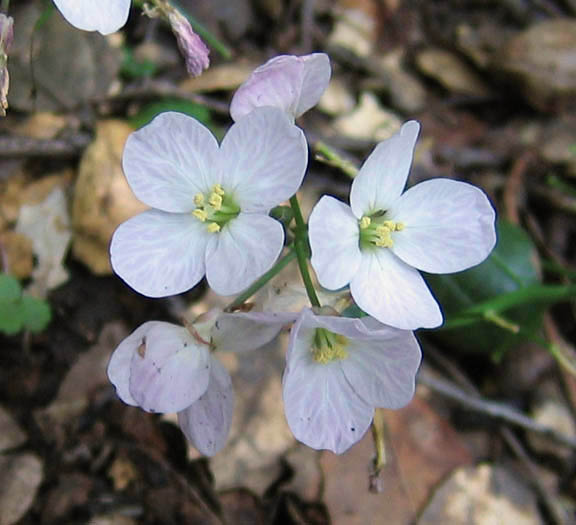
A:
x: 376, y: 230
x: 328, y: 346
x: 216, y: 208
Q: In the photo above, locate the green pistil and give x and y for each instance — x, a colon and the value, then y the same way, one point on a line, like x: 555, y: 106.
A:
x: 376, y: 231
x: 328, y: 346
x: 216, y: 208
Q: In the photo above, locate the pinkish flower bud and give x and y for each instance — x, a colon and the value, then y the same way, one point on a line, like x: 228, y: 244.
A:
x: 6, y: 37
x: 191, y: 46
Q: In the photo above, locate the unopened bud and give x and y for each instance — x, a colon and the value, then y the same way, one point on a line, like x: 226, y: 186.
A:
x: 191, y: 46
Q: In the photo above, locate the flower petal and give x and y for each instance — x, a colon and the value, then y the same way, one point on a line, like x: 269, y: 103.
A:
x: 105, y: 16
x: 448, y: 226
x: 383, y: 175
x: 291, y: 83
x: 169, y: 368
x: 246, y: 248
x: 244, y: 331
x: 393, y: 292
x: 322, y: 409
x: 334, y: 239
x: 264, y: 157
x: 160, y: 254
x: 169, y: 161
x: 206, y: 423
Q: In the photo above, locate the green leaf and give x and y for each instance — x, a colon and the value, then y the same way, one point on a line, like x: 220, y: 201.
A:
x: 148, y: 112
x: 133, y: 68
x: 10, y: 289
x: 36, y: 314
x: 11, y: 317
x: 508, y: 280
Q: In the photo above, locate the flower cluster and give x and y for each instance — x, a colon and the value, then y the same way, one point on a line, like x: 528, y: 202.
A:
x: 210, y: 216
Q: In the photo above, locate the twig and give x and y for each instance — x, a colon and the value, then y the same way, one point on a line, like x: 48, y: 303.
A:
x: 30, y: 147
x: 492, y: 409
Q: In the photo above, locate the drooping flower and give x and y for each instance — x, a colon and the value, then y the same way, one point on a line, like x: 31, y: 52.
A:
x: 379, y: 242
x: 104, y: 16
x: 162, y: 367
x: 210, y: 203
x: 338, y: 370
x: 292, y: 83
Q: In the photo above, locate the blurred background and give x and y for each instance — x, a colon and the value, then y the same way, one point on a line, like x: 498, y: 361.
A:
x: 490, y: 436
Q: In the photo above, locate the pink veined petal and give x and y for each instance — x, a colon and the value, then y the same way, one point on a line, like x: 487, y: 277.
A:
x: 382, y: 370
x: 242, y: 251
x: 393, y: 292
x: 206, y: 423
x: 160, y: 254
x: 244, y: 331
x: 291, y: 83
x: 105, y: 16
x: 322, y: 409
x: 383, y: 175
x: 169, y: 369
x: 334, y: 240
x: 263, y: 160
x: 448, y: 226
x: 169, y: 161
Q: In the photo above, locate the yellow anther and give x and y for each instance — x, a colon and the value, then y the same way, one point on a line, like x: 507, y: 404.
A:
x: 329, y: 347
x: 199, y: 199
x: 399, y: 226
x: 213, y: 227
x: 201, y: 215
x: 217, y: 188
x: 365, y: 222
x: 215, y: 200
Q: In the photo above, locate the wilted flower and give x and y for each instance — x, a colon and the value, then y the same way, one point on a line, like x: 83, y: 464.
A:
x: 104, y: 16
x: 379, y: 242
x: 162, y: 367
x: 292, y: 83
x: 211, y: 203
x: 191, y: 46
x: 338, y: 370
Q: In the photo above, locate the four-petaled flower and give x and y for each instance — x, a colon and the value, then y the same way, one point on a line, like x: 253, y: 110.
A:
x: 338, y: 370
x: 104, y: 16
x: 379, y: 242
x: 211, y: 203
x: 291, y: 83
x: 162, y: 367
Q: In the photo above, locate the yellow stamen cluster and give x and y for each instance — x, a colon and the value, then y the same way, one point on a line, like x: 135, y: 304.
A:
x: 213, y: 210
x: 378, y: 232
x: 328, y: 346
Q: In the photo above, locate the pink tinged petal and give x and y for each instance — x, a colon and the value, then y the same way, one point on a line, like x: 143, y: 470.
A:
x: 264, y: 157
x: 290, y: 83
x: 244, y: 331
x: 105, y: 16
x: 206, y: 423
x: 169, y: 161
x: 393, y: 292
x: 382, y: 370
x: 170, y: 370
x: 160, y: 254
x: 334, y: 240
x: 322, y: 409
x: 242, y: 251
x: 383, y: 176
x: 448, y: 226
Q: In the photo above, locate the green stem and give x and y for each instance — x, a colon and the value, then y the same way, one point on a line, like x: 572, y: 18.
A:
x: 303, y: 251
x: 327, y: 155
x: 259, y: 283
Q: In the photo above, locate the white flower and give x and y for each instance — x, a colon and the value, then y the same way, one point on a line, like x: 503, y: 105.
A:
x: 379, y: 242
x: 105, y: 16
x: 293, y: 84
x: 338, y: 370
x: 162, y: 367
x: 211, y: 203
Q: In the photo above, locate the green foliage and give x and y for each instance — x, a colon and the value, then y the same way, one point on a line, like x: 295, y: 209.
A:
x: 19, y: 311
x: 132, y: 68
x: 148, y: 112
x: 505, y: 287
